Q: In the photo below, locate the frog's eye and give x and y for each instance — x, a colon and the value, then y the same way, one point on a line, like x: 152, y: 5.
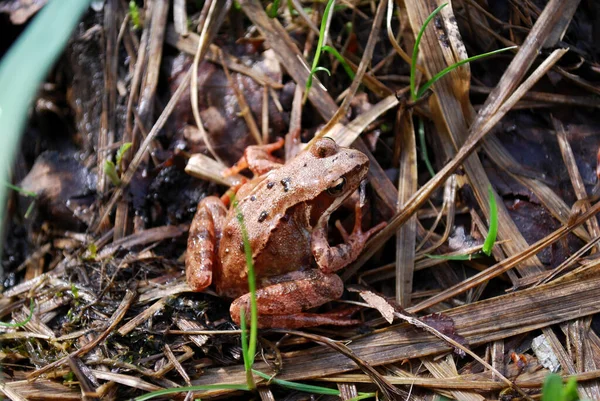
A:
x: 324, y: 147
x: 338, y: 187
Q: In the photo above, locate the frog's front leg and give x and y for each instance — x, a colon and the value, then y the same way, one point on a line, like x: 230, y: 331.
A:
x: 258, y: 158
x: 282, y: 302
x: 203, y: 242
x: 331, y: 259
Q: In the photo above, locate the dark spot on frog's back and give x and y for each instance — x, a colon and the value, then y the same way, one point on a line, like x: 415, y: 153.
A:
x: 263, y: 215
x: 253, y: 198
x: 270, y: 185
x: 286, y: 183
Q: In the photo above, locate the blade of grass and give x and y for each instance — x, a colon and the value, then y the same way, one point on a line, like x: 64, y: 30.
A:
x: 415, y: 53
x: 250, y: 349
x: 490, y: 239
x: 273, y: 8
x: 448, y: 69
x: 111, y: 171
x: 121, y: 152
x: 308, y: 388
x: 319, y: 49
x: 206, y: 387
x: 21, y: 190
x: 24, y: 66
x: 24, y: 322
x: 552, y: 388
x: 341, y: 59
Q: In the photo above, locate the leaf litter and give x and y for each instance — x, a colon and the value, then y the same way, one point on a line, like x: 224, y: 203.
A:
x: 112, y: 315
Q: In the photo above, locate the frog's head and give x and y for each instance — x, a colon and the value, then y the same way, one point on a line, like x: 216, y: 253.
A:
x: 342, y: 170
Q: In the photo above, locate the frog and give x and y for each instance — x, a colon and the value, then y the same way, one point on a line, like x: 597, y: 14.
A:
x: 286, y: 210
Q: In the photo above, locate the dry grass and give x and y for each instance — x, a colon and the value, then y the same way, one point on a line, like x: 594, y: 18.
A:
x: 116, y: 319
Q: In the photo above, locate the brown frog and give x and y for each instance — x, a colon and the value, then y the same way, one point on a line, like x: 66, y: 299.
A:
x: 286, y: 211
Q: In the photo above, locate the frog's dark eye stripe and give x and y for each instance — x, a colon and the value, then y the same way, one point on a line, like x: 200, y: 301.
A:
x: 338, y: 187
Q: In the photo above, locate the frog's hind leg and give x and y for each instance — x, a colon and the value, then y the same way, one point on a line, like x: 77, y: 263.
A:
x: 282, y: 303
x: 203, y: 239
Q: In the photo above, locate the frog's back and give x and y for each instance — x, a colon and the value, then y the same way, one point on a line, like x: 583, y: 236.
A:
x: 287, y: 249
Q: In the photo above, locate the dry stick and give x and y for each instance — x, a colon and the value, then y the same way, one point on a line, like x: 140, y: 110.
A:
x: 139, y: 156
x: 416, y: 322
x: 200, y: 52
x: 574, y: 174
x: 453, y: 383
x: 362, y: 68
x: 472, y: 142
x: 114, y: 320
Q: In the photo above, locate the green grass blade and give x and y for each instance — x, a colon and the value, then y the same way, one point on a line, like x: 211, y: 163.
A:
x: 121, y: 152
x: 251, y: 287
x: 244, y: 327
x: 333, y: 51
x: 24, y: 66
x: 415, y: 53
x: 469, y: 256
x: 307, y: 388
x: 424, y: 154
x: 176, y: 390
x: 319, y: 49
x: 446, y: 70
x: 570, y: 392
x: 493, y: 231
x: 111, y: 172
x: 552, y: 388
x: 273, y: 8
x: 24, y: 322
x: 298, y: 386
x: 21, y: 190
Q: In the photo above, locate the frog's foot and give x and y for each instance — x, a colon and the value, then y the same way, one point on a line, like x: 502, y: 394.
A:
x: 201, y: 254
x: 258, y: 158
x: 331, y: 259
x: 283, y: 303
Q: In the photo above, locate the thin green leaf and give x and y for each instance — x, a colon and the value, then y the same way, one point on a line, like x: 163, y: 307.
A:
x: 455, y: 257
x: 176, y: 390
x: 362, y: 396
x: 121, y: 152
x: 570, y: 392
x: 423, y: 144
x: 29, y: 209
x: 493, y: 231
x: 446, y: 70
x: 415, y: 54
x: 273, y: 8
x: 307, y: 388
x: 333, y: 51
x: 24, y: 322
x: 552, y: 388
x: 298, y: 386
x: 251, y: 350
x: 24, y: 66
x: 21, y: 190
x: 24, y: 193
x: 111, y: 171
x: 318, y: 51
